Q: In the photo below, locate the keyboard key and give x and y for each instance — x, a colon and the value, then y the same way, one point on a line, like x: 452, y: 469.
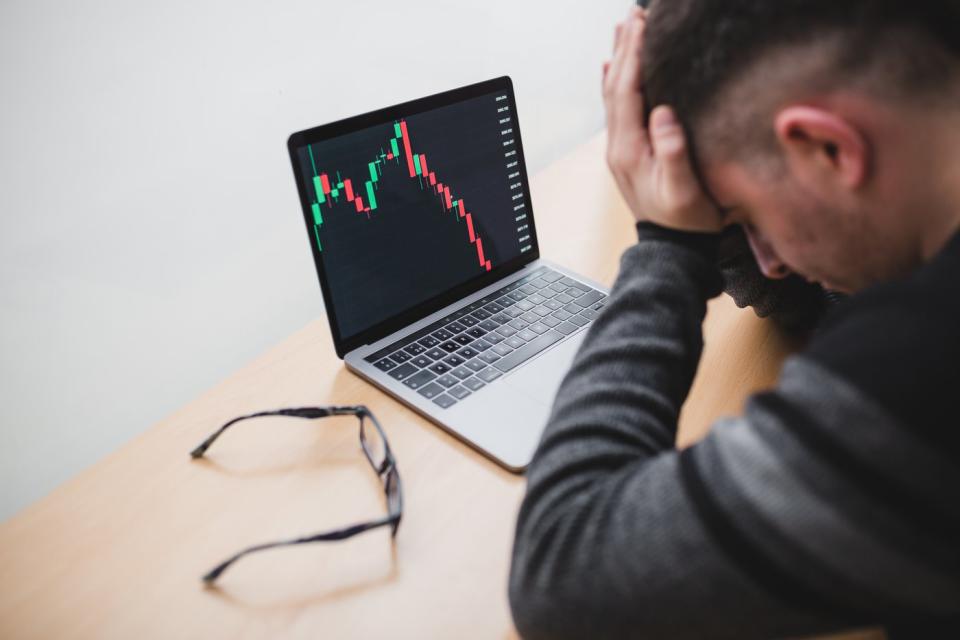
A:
x: 492, y: 338
x: 422, y: 361
x: 589, y: 314
x: 402, y: 371
x: 526, y: 335
x: 476, y: 332
x: 489, y: 356
x: 400, y: 356
x: 431, y: 390
x: 386, y: 364
x: 566, y: 328
x: 493, y: 307
x: 573, y: 307
x: 526, y: 352
x: 455, y: 327
x: 547, y: 293
x: 489, y: 325
x: 574, y: 292
x: 418, y: 380
x: 501, y: 318
x: 436, y: 354
x: 447, y: 380
x: 462, y: 372
x: 506, y: 331
x: 525, y: 305
x: 559, y: 287
x: 562, y: 314
x: 469, y: 321
x: 458, y: 392
x: 442, y: 334
x: 569, y: 281
x: 564, y: 298
x: 489, y: 374
x: 539, y: 327
x: 551, y: 276
x: 439, y: 368
x: 501, y: 349
x: 454, y: 360
x: 465, y: 354
x: 530, y: 317
x: 578, y: 320
x: 514, y: 311
x: 514, y: 342
x: 519, y: 324
x: 550, y: 321
x: 541, y: 310
x: 450, y: 346
x: 463, y: 339
x: 553, y: 305
x: 428, y: 341
x: 589, y: 298
x: 476, y: 364
x: 539, y: 283
x: 444, y: 401
x: 480, y: 345
x: 481, y: 314
x: 473, y: 384
x: 536, y: 299
x: 516, y: 296
x: 415, y: 349
x: 505, y: 302
x: 528, y: 289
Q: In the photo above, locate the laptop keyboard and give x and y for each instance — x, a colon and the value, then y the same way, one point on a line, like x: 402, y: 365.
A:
x: 475, y: 345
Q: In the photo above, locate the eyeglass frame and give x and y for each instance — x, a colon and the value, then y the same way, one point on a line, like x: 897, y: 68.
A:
x: 386, y: 470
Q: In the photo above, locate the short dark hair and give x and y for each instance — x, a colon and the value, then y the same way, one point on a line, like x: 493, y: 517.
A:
x: 696, y: 48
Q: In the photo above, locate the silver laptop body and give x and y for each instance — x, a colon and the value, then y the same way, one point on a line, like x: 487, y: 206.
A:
x: 482, y: 350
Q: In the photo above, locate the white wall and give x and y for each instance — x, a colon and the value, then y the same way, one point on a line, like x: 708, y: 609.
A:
x: 150, y: 235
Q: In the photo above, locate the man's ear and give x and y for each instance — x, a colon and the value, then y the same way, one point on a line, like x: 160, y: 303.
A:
x: 822, y: 145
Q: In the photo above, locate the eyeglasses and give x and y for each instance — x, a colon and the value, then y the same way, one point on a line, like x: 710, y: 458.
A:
x: 375, y: 448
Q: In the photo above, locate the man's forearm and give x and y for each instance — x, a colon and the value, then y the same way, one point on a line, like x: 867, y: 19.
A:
x: 616, y: 410
x: 625, y: 387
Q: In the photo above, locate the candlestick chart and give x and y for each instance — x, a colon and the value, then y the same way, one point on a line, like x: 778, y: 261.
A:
x: 417, y: 167
x: 403, y: 211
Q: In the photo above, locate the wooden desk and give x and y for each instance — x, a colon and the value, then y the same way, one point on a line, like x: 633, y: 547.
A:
x: 118, y: 551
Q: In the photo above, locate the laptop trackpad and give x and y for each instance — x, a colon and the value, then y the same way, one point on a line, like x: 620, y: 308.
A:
x: 540, y: 378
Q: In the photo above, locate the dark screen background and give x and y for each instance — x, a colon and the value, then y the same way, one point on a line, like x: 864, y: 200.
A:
x: 410, y: 249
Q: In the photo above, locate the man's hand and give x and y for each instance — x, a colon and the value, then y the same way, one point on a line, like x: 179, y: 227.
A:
x: 651, y: 168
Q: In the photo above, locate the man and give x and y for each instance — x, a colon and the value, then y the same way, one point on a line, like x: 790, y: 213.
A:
x: 829, y: 130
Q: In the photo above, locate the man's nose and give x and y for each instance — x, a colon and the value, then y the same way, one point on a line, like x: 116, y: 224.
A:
x: 767, y: 259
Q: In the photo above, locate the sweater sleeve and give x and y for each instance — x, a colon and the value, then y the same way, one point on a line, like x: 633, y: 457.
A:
x: 741, y: 535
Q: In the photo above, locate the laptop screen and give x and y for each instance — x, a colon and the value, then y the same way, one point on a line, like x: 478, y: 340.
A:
x: 416, y: 201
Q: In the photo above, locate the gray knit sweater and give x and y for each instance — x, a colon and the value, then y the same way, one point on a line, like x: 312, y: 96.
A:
x: 833, y: 502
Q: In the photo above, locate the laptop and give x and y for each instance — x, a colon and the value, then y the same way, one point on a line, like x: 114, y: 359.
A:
x: 422, y: 230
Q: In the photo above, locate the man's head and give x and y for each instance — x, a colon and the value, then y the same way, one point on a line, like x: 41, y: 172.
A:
x: 828, y: 128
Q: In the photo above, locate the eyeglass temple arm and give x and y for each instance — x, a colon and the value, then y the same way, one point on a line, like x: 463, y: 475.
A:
x: 302, y: 412
x: 338, y: 534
